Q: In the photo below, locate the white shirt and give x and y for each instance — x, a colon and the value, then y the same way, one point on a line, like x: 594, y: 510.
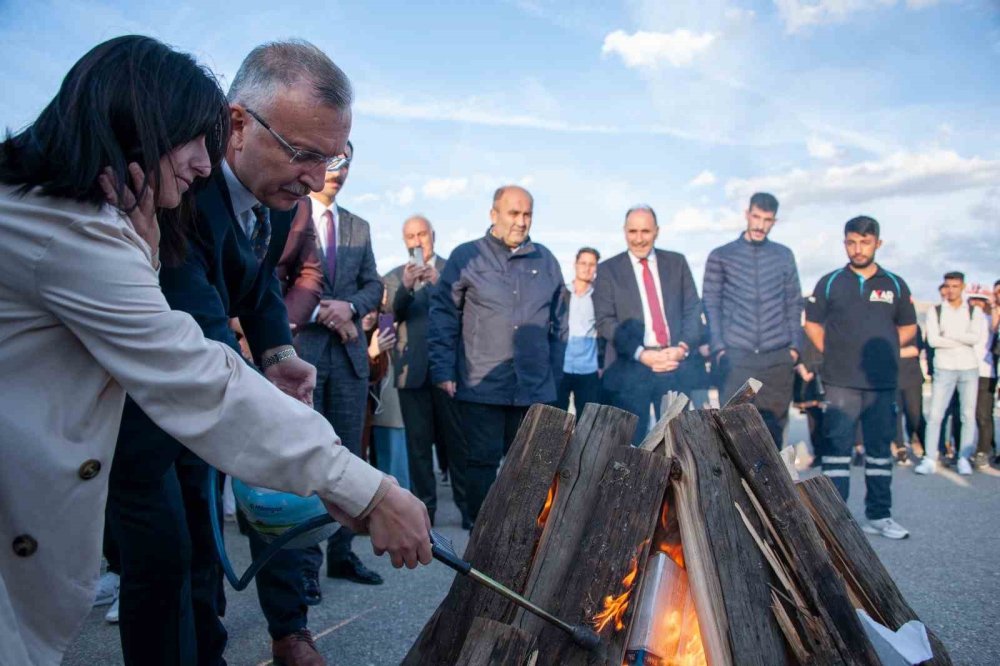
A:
x: 242, y: 199
x: 649, y: 340
x: 319, y: 221
x: 957, y: 338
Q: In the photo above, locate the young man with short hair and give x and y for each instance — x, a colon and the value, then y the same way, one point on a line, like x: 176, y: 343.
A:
x: 581, y: 364
x: 955, y: 330
x: 858, y: 317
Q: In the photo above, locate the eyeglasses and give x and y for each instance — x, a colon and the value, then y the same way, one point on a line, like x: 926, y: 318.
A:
x: 301, y: 156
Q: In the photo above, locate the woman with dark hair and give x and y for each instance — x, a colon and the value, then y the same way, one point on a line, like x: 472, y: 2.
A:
x: 83, y: 321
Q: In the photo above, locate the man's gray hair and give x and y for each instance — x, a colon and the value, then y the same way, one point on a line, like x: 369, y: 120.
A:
x: 646, y: 208
x: 276, y: 65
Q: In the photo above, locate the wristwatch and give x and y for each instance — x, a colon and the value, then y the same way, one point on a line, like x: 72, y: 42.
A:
x: 274, y: 359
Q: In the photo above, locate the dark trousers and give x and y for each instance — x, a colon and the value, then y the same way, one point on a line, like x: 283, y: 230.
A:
x: 585, y: 388
x: 984, y: 415
x: 489, y: 431
x: 775, y: 370
x: 171, y: 594
x: 647, y: 390
x: 340, y: 396
x: 910, y: 404
x: 814, y: 421
x: 109, y: 548
x: 876, y: 411
x: 431, y: 417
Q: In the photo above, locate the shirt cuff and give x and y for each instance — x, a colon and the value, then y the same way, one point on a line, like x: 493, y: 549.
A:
x: 312, y: 317
x: 383, y: 490
x: 638, y: 352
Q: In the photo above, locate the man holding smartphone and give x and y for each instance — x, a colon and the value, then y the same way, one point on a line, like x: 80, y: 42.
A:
x: 429, y: 413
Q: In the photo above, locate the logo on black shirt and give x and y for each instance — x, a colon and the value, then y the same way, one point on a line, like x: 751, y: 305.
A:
x: 882, y: 296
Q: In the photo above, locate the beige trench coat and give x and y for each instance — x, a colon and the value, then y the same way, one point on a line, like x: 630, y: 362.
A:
x: 82, y: 322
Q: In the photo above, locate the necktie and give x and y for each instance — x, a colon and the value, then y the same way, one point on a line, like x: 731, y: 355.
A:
x: 262, y: 232
x: 656, y: 314
x: 331, y: 246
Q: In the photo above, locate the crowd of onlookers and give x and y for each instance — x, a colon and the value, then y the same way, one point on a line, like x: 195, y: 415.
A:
x: 426, y: 372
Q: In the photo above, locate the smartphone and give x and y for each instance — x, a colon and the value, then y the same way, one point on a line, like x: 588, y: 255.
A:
x: 417, y: 256
x: 385, y: 322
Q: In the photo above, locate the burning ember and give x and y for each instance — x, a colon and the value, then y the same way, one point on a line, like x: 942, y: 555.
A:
x: 615, y: 607
x: 543, y: 516
x: 665, y: 629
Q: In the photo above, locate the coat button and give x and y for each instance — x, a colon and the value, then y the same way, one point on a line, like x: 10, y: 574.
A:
x: 89, y: 469
x: 25, y: 545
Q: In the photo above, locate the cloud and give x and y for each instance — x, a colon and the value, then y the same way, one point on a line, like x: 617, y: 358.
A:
x: 692, y: 219
x: 649, y: 49
x: 401, y: 197
x: 899, y: 174
x: 443, y: 189
x: 820, y: 149
x: 368, y: 197
x: 800, y: 14
x: 704, y: 178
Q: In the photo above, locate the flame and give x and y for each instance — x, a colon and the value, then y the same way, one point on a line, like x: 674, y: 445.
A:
x: 674, y: 551
x: 615, y: 607
x: 544, y: 515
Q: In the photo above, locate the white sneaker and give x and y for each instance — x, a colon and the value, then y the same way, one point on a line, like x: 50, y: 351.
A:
x: 107, y: 589
x: 926, y: 466
x: 112, y: 615
x: 886, y: 527
x: 964, y: 467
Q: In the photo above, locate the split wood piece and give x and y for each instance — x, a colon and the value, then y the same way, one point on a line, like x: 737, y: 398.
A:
x: 615, y: 543
x: 728, y: 576
x: 504, y: 537
x: 672, y: 404
x: 858, y: 563
x: 497, y: 643
x: 746, y: 393
x: 750, y: 446
x: 600, y: 431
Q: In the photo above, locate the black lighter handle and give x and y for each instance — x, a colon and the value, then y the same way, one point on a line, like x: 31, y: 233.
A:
x: 444, y: 554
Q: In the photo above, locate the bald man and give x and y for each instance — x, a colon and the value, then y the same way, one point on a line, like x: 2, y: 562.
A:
x: 429, y: 413
x: 497, y: 334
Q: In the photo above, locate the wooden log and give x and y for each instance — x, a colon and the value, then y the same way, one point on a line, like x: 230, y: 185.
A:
x: 491, y: 642
x: 745, y: 394
x: 672, y: 404
x: 601, y: 431
x: 865, y: 575
x: 615, y: 542
x: 752, y: 449
x: 729, y: 578
x: 504, y: 537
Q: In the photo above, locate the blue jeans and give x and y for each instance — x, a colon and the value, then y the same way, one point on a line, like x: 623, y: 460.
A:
x: 876, y: 410
x: 390, y: 453
x: 946, y: 382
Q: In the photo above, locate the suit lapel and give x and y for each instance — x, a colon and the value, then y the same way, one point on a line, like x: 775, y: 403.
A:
x: 344, y: 232
x: 627, y: 277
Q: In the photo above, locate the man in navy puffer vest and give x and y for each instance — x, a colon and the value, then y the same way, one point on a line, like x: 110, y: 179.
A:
x: 753, y: 302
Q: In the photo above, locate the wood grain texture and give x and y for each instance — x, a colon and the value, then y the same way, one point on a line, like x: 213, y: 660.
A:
x: 751, y: 448
x: 617, y: 536
x: 861, y: 568
x: 504, y: 537
x: 491, y: 643
x: 745, y: 579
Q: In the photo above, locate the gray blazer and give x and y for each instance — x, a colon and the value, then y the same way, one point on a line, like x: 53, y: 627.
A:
x: 357, y: 281
x: 411, y: 310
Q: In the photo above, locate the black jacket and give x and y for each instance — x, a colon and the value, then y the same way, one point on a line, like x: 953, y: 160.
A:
x: 411, y: 310
x: 497, y: 323
x: 752, y: 297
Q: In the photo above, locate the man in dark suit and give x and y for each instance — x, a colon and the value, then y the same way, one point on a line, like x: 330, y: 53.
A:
x: 330, y: 337
x: 647, y: 311
x: 171, y: 589
x: 429, y: 414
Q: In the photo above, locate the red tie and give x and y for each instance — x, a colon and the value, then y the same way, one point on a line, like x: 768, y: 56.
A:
x: 331, y: 246
x: 659, y: 322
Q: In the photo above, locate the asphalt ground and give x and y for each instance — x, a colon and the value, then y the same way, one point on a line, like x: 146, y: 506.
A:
x: 947, y: 570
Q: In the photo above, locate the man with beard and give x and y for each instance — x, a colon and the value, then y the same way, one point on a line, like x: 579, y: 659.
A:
x: 753, y: 303
x: 858, y: 317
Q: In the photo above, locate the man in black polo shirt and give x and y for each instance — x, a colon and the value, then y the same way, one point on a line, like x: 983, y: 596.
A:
x: 858, y: 316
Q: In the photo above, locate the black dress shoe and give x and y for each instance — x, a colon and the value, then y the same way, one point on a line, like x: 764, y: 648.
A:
x: 352, y: 569
x: 311, y: 592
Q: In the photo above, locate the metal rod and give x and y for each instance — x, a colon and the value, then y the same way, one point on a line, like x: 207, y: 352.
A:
x: 519, y: 600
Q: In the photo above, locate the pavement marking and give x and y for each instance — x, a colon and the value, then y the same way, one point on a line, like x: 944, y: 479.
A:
x: 331, y: 629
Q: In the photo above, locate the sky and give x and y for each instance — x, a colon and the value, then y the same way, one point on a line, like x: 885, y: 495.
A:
x: 887, y: 108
